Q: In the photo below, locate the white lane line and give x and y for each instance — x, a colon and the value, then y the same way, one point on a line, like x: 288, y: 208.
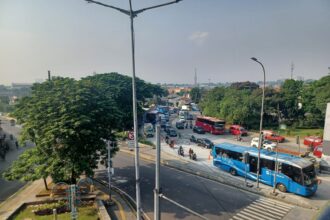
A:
x: 253, y: 216
x: 244, y: 217
x: 261, y: 215
x: 284, y: 205
x: 263, y: 212
x: 270, y: 208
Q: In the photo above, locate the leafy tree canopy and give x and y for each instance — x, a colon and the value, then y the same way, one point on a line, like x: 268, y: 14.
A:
x: 68, y: 120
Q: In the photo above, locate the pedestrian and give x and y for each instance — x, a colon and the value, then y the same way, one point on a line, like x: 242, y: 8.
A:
x: 16, y: 144
x: 190, y: 153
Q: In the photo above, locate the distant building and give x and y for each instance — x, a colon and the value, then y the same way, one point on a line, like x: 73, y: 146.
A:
x: 21, y: 85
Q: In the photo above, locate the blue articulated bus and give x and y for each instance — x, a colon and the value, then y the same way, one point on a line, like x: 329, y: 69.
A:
x: 293, y: 174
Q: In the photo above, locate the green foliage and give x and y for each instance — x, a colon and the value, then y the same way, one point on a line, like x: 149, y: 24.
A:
x: 241, y: 104
x: 68, y: 120
x: 196, y: 94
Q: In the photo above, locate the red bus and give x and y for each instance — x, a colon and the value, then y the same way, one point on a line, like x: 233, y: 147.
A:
x: 212, y: 125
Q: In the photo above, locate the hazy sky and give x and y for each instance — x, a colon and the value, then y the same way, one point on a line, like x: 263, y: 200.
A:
x: 72, y: 38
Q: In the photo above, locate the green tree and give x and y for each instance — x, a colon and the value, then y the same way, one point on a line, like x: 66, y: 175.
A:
x: 67, y: 121
x: 291, y: 92
x: 196, y: 94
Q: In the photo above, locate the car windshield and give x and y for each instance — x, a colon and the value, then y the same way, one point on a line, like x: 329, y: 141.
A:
x: 309, y: 175
x: 267, y: 142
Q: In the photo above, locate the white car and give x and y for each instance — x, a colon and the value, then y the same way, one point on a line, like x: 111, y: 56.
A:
x: 268, y: 145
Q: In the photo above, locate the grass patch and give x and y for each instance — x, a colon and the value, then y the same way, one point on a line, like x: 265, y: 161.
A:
x: 146, y: 142
x: 84, y: 213
x: 302, y: 132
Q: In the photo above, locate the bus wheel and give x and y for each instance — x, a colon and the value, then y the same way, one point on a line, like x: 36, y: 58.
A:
x: 233, y: 171
x: 281, y: 187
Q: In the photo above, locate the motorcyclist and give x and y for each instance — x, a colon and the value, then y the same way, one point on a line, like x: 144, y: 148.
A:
x: 180, y: 151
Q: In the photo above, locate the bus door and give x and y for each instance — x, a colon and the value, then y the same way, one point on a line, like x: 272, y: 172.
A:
x: 253, y: 165
x: 267, y: 170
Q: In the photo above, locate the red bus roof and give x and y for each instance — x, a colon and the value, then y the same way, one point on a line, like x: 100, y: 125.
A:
x: 210, y: 118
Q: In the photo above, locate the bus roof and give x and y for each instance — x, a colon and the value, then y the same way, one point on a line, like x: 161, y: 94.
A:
x: 211, y: 118
x: 284, y: 158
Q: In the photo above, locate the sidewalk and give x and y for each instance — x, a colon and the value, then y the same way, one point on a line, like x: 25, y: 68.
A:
x: 203, y: 167
x: 121, y: 209
x: 25, y: 194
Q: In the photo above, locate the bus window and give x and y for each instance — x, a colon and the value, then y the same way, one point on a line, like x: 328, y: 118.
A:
x: 217, y: 151
x: 253, y: 164
x: 269, y: 164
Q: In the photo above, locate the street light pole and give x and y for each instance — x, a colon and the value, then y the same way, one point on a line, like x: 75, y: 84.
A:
x: 261, y: 118
x: 132, y: 14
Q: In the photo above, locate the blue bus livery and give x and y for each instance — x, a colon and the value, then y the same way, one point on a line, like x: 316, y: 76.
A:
x: 295, y: 174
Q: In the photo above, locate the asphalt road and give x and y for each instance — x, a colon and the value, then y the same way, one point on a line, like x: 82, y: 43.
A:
x: 8, y: 188
x: 211, y: 199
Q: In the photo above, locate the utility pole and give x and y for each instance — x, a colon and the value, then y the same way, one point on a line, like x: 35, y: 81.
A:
x: 132, y: 14
x: 261, y: 118
x: 49, y: 75
x: 276, y: 167
x: 292, y: 68
x: 156, y: 190
x: 109, y: 170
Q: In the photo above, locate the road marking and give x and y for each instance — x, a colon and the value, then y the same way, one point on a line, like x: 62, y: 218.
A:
x: 270, y: 208
x: 263, y: 209
x: 254, y: 208
x: 244, y: 217
x: 277, y: 203
x: 255, y: 214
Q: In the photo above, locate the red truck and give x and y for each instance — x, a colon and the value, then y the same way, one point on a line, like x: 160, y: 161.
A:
x: 313, y: 141
x: 272, y: 136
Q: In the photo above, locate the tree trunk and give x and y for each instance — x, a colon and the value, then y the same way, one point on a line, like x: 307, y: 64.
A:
x: 73, y: 179
x: 45, y: 182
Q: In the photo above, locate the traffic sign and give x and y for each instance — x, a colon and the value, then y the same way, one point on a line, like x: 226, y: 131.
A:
x: 131, y: 144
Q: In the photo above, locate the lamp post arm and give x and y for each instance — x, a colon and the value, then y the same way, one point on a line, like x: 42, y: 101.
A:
x: 110, y: 6
x: 156, y: 6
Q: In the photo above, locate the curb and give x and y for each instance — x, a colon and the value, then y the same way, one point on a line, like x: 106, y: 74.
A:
x: 229, y: 183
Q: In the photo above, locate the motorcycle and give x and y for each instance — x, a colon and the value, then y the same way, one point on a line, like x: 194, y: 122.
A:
x: 193, y: 156
x: 181, y: 151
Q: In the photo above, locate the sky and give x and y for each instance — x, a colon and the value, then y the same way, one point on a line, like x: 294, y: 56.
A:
x: 72, y: 38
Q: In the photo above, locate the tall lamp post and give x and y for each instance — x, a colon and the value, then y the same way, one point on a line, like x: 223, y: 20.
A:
x: 261, y: 117
x: 132, y: 14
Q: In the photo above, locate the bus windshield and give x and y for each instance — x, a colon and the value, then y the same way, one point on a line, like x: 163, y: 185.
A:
x: 309, y: 175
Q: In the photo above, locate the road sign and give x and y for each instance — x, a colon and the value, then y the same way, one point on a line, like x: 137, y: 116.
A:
x: 131, y: 135
x: 131, y: 144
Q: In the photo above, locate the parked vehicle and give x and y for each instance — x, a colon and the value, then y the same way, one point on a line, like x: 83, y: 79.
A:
x: 179, y: 125
x: 313, y: 141
x: 238, y: 130
x: 198, y: 130
x: 295, y: 174
x: 167, y: 127
x: 318, y: 151
x: 212, y: 125
x: 272, y: 136
x: 149, y: 132
x: 171, y: 132
x: 204, y: 142
x: 268, y: 145
x: 193, y: 139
